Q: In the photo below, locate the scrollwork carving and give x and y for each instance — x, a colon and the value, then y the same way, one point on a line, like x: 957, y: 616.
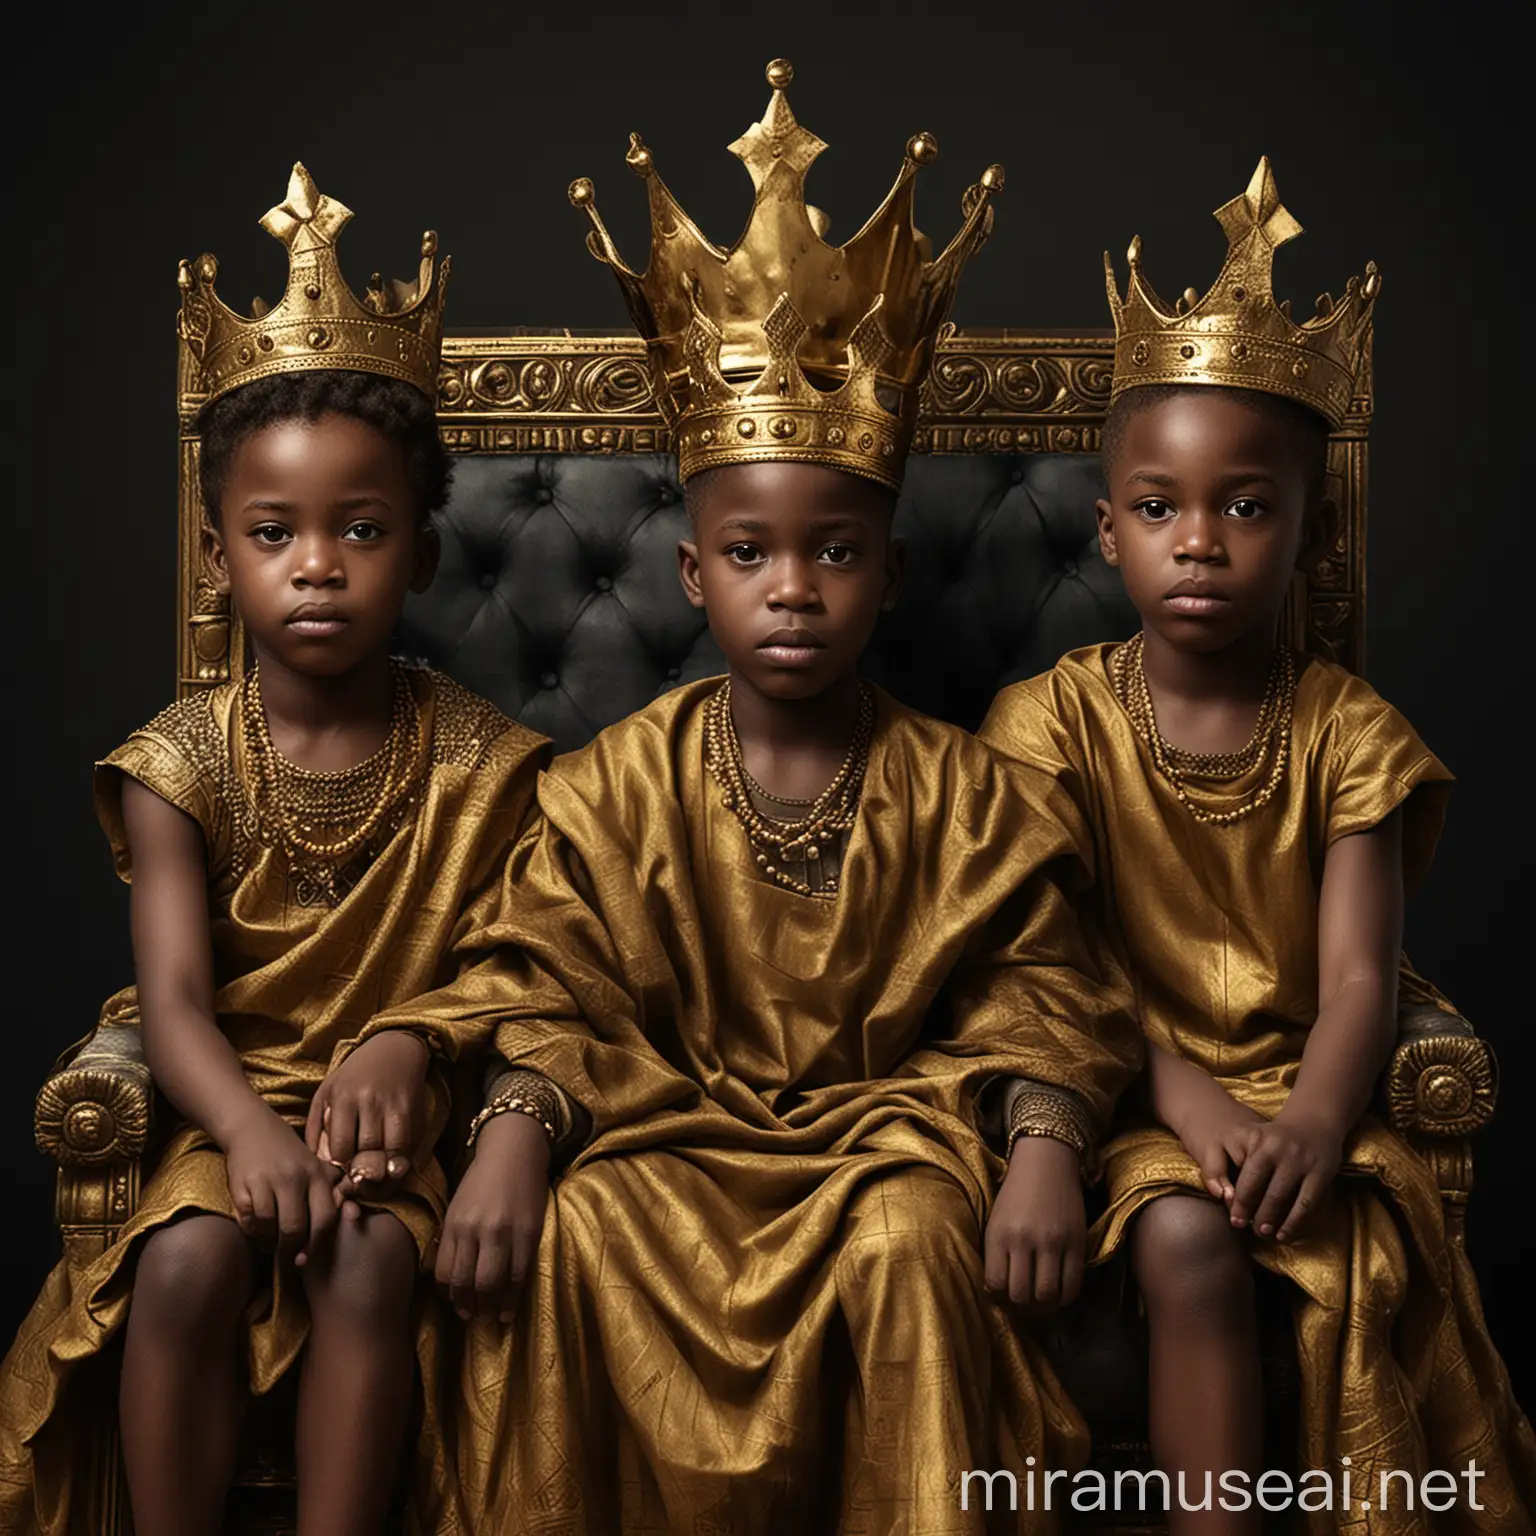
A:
x: 1442, y: 1085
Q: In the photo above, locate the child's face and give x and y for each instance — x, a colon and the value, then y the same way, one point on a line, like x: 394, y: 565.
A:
x: 1209, y: 514
x: 793, y: 564
x: 319, y: 542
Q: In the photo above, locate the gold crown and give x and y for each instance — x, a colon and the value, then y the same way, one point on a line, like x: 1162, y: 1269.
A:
x: 1237, y: 335
x: 785, y: 347
x: 396, y: 329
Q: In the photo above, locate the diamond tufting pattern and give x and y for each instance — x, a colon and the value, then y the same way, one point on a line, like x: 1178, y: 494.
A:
x: 558, y: 596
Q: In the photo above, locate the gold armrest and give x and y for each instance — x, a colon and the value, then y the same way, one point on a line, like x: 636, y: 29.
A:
x: 96, y: 1109
x: 1443, y: 1081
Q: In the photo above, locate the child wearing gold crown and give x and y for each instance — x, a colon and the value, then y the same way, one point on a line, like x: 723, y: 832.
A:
x: 300, y: 843
x: 1259, y: 815
x: 758, y: 1293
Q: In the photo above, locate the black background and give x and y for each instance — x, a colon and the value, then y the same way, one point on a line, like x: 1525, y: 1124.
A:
x: 154, y: 134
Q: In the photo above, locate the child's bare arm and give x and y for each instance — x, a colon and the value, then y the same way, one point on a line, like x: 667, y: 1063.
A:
x: 1360, y: 931
x: 275, y: 1182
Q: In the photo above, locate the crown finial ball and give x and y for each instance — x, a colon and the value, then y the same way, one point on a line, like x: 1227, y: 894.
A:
x: 1372, y: 280
x: 922, y: 148
x: 206, y: 269
x: 638, y: 157
x: 780, y: 72
x: 1133, y: 253
x: 581, y: 192
x: 429, y: 242
x: 993, y: 178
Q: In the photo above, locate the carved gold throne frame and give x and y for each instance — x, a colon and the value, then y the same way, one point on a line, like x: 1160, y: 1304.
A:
x: 991, y: 392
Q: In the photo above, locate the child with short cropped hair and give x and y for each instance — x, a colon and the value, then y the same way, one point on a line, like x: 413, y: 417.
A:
x: 301, y: 843
x: 773, y: 940
x: 1259, y: 814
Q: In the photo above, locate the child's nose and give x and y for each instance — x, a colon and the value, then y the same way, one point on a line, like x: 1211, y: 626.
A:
x: 795, y: 586
x: 1200, y: 536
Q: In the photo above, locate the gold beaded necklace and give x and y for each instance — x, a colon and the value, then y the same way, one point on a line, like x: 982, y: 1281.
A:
x: 829, y: 816
x: 1271, y: 736
x: 364, y: 804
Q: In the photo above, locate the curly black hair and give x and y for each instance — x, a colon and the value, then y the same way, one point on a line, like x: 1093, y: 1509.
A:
x: 1309, y: 431
x: 391, y: 406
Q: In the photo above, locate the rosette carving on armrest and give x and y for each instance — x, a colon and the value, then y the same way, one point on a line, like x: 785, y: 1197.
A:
x: 1443, y: 1080
x: 96, y: 1109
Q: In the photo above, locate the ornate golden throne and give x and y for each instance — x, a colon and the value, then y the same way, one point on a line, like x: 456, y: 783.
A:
x: 557, y: 597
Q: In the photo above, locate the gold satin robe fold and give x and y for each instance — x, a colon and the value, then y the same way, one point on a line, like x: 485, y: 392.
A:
x: 1220, y: 932
x: 758, y: 1303
x: 296, y: 983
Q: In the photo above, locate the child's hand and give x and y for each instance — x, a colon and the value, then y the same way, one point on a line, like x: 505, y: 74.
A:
x: 280, y: 1188
x: 1037, y: 1236
x: 491, y: 1232
x: 1288, y: 1164
x: 1217, y: 1132
x: 369, y: 1110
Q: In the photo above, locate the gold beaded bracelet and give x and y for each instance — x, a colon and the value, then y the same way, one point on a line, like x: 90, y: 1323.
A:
x: 523, y: 1093
x: 1038, y: 1110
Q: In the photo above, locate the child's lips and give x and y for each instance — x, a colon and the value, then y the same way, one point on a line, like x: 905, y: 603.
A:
x: 1195, y: 602
x: 317, y: 619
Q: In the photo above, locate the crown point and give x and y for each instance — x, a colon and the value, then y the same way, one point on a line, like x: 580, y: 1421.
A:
x: 779, y: 73
x: 638, y: 159
x: 206, y: 270
x: 581, y: 192
x: 992, y: 178
x: 429, y: 242
x: 1372, y: 280
x: 1133, y: 253
x: 184, y: 279
x: 922, y: 149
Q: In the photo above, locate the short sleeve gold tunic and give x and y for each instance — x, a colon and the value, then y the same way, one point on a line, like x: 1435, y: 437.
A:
x: 1219, y: 928
x: 296, y: 981
x: 758, y: 1305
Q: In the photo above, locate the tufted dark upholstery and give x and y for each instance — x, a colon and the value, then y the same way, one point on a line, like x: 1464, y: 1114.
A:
x: 558, y: 595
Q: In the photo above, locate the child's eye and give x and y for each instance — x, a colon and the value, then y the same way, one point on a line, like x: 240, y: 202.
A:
x: 744, y: 554
x: 1247, y: 509
x: 839, y: 554
x: 1155, y: 510
x: 271, y: 534
x: 364, y: 533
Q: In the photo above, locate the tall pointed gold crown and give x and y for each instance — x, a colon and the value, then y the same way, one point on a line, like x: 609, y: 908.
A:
x: 1237, y: 335
x: 395, y: 329
x: 782, y: 346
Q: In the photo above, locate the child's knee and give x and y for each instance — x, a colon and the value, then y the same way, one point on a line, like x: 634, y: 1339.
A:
x: 1188, y: 1256
x: 370, y: 1278
x: 193, y: 1279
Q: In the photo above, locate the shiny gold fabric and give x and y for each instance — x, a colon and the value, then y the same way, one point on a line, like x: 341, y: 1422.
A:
x: 758, y: 1300
x: 1220, y: 930
x: 295, y: 986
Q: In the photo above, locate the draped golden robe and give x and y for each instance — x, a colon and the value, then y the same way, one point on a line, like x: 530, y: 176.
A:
x: 1219, y: 926
x: 295, y: 985
x: 758, y: 1299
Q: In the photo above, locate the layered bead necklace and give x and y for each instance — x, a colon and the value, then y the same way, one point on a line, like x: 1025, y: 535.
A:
x: 829, y: 816
x: 1271, y: 736
x: 362, y: 805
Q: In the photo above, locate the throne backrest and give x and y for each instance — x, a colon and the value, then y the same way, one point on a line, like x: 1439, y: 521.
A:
x: 558, y: 595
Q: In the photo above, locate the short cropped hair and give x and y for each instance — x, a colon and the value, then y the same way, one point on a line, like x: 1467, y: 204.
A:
x: 696, y: 491
x: 1308, y: 430
x: 392, y: 407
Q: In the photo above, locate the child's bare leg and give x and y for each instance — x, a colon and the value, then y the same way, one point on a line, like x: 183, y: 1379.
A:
x: 1207, y: 1407
x: 355, y: 1392
x: 183, y: 1384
